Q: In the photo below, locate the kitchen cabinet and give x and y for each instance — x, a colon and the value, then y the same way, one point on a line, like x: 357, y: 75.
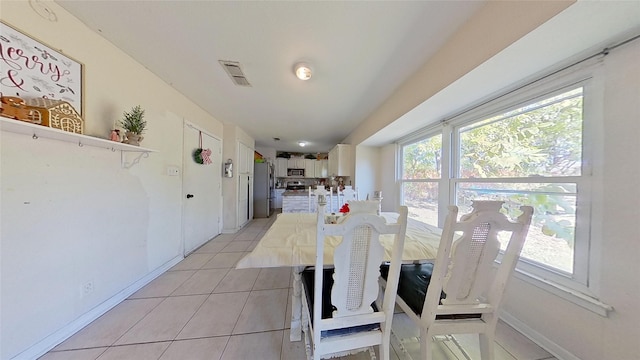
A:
x: 341, y: 160
x: 281, y: 167
x: 296, y: 163
x: 245, y: 159
x: 321, y: 168
x: 310, y: 168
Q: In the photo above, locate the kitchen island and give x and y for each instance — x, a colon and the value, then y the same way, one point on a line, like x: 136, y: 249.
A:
x: 297, y: 201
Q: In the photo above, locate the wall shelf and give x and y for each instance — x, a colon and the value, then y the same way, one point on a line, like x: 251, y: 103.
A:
x: 38, y: 131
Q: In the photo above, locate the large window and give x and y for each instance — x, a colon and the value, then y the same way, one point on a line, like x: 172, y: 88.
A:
x: 529, y: 156
x: 421, y: 171
x: 528, y: 153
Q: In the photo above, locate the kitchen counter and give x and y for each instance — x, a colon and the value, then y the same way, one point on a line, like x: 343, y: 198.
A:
x: 297, y: 201
x: 296, y: 193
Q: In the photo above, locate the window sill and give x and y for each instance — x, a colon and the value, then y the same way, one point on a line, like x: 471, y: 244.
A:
x: 583, y: 300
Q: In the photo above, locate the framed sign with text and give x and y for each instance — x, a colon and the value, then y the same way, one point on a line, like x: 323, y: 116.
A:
x: 31, y: 69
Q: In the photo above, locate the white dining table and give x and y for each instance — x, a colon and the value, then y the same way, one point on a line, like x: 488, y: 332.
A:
x: 290, y: 242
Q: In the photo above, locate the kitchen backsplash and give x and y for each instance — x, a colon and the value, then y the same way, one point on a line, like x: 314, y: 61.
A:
x: 281, y: 182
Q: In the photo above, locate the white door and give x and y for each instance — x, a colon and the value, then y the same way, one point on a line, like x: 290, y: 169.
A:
x: 245, y: 198
x: 202, y: 190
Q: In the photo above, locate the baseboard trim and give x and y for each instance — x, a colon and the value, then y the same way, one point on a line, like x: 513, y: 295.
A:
x: 43, y: 346
x: 554, y: 349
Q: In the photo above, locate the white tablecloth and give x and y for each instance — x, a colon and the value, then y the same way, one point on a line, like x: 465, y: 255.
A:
x: 291, y: 242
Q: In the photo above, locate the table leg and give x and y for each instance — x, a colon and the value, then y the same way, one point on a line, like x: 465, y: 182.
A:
x: 296, y: 306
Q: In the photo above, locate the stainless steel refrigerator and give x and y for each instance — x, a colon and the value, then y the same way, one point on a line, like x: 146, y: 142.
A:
x: 263, y: 190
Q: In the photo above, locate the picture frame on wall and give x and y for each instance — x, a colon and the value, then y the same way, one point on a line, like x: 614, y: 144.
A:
x: 31, y: 69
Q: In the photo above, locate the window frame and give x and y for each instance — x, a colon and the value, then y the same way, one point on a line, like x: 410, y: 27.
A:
x: 585, y: 264
x: 444, y: 169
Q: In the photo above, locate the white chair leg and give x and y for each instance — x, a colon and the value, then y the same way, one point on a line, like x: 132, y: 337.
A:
x: 307, y: 335
x: 296, y: 305
x: 372, y: 353
x: 384, y: 349
x: 401, y: 351
x: 307, y: 342
x: 487, y: 342
x: 426, y: 345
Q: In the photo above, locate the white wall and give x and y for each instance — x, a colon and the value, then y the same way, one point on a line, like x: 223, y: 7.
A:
x: 367, y: 167
x: 386, y: 177
x: 232, y: 135
x: 375, y: 170
x: 72, y: 215
x: 267, y: 152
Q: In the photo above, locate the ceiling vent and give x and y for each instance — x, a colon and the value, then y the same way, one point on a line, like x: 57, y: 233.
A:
x: 233, y: 69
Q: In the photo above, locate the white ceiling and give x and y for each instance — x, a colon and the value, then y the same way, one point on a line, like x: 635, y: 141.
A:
x: 360, y: 52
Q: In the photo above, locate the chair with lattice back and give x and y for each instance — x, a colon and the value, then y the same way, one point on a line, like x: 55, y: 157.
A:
x: 315, y: 193
x: 340, y: 315
x: 346, y: 195
x: 461, y: 292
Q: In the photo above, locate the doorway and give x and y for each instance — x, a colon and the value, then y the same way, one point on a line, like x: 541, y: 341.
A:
x: 201, y: 189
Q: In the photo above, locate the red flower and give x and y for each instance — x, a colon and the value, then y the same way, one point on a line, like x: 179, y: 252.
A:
x: 344, y: 208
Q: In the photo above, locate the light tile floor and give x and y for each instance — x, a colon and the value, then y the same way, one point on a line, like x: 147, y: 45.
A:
x: 204, y: 308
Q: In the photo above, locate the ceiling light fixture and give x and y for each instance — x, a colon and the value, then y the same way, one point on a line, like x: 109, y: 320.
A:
x: 302, y: 71
x: 302, y: 143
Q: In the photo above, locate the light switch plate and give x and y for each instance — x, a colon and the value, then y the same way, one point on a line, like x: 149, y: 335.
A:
x: 173, y: 170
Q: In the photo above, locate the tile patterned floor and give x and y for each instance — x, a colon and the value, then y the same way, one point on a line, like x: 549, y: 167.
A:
x: 204, y: 308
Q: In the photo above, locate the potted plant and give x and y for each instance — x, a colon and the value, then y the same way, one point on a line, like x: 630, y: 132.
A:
x: 134, y: 125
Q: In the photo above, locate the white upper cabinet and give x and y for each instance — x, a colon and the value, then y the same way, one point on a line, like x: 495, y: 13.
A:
x: 281, y: 167
x: 296, y: 163
x: 341, y: 160
x: 245, y: 159
x: 321, y: 168
x: 310, y: 168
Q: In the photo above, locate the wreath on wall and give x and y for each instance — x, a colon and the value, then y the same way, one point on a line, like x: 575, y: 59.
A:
x: 200, y: 155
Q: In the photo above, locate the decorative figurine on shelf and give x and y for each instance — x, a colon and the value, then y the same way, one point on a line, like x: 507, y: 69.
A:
x: 16, y: 108
x: 340, y: 183
x: 55, y: 114
x: 115, y: 135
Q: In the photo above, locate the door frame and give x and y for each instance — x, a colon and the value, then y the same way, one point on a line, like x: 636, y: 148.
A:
x: 186, y: 156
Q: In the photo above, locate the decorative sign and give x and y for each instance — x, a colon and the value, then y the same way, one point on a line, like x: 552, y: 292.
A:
x: 30, y: 69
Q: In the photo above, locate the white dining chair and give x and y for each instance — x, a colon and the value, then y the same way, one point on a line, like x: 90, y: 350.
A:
x: 349, y: 193
x: 340, y: 316
x: 461, y: 292
x: 313, y: 197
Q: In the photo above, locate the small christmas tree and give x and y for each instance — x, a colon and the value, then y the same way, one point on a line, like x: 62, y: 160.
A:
x: 134, y: 120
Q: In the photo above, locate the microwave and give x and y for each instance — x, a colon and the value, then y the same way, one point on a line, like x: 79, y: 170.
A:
x: 295, y: 172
